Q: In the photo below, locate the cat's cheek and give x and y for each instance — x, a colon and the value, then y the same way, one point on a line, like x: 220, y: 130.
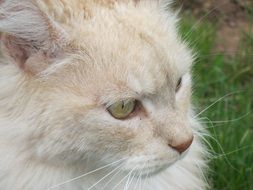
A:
x: 152, y: 159
x: 103, y: 132
x: 149, y: 152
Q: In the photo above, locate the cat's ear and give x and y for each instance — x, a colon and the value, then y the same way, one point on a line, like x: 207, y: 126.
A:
x: 29, y: 37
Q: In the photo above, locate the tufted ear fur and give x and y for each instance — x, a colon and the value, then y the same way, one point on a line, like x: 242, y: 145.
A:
x: 29, y: 38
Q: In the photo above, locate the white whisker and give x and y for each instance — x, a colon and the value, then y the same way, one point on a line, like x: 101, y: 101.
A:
x: 81, y: 176
x: 123, y: 179
x: 234, y: 151
x: 140, y: 181
x: 137, y: 182
x: 146, y: 179
x: 201, y: 172
x: 109, y: 181
x: 129, y: 180
x: 105, y: 177
x: 229, y: 94
x: 200, y: 20
x: 222, y: 150
x: 132, y: 180
x: 228, y: 121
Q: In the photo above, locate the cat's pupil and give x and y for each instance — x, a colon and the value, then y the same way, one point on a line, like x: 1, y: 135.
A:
x: 179, y: 84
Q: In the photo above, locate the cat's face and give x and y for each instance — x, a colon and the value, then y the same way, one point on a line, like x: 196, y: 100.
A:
x: 117, y: 61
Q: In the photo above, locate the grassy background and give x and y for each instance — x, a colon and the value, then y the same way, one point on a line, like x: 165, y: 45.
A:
x: 230, y: 120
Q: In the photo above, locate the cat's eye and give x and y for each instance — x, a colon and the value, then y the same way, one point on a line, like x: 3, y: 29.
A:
x: 122, y: 109
x: 179, y: 84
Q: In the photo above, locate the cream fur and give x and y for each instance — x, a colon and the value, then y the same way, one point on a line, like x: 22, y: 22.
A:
x: 88, y: 54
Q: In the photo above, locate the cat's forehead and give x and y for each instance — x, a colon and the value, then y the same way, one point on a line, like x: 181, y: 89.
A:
x: 143, y: 61
x: 135, y: 46
x: 122, y: 31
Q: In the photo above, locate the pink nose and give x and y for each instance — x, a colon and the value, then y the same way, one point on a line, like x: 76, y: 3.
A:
x: 183, y: 146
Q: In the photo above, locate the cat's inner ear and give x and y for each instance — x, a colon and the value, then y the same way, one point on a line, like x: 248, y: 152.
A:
x: 29, y: 37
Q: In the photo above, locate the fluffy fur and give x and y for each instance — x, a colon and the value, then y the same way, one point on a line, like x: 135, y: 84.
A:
x: 62, y: 63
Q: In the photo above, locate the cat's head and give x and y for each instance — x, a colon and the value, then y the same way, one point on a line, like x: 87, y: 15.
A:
x: 104, y: 82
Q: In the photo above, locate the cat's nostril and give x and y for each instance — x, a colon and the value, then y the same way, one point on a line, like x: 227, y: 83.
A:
x: 183, y: 146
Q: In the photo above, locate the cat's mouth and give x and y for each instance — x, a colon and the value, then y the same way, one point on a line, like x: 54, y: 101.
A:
x: 146, y: 172
x: 152, y: 171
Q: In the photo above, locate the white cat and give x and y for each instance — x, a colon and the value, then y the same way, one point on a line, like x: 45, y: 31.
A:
x: 96, y: 94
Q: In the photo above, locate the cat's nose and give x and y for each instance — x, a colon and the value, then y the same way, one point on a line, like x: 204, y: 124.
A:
x: 182, y: 147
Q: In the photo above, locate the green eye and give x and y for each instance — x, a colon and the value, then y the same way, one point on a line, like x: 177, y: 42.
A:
x: 122, y: 109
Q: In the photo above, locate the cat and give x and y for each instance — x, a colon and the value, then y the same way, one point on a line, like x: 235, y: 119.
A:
x: 96, y: 94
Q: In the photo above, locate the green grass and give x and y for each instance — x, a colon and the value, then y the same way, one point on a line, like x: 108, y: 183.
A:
x: 216, y: 76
